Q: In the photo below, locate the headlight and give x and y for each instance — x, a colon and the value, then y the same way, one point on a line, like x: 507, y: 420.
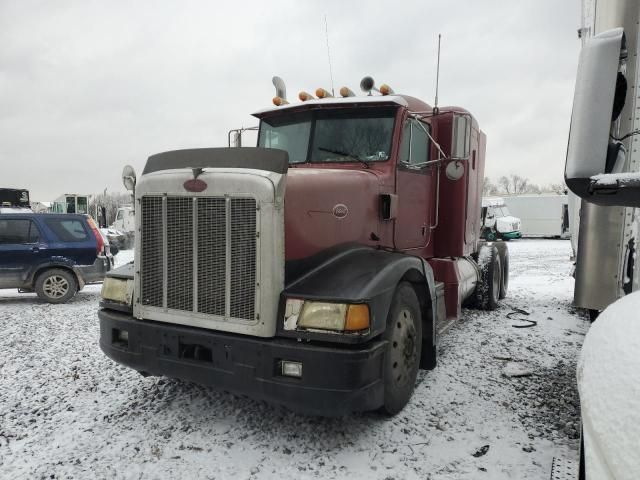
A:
x: 336, y: 317
x: 118, y: 290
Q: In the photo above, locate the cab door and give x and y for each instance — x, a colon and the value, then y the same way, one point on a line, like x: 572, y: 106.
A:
x: 414, y: 187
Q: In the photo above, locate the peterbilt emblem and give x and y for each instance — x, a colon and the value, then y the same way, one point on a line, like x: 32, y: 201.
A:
x: 340, y: 210
x: 195, y: 185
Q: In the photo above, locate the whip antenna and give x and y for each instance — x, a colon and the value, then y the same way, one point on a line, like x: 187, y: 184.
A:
x: 435, y: 105
x: 326, y: 33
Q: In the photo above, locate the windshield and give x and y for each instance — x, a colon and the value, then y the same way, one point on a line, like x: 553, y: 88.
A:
x: 502, y: 211
x: 344, y: 135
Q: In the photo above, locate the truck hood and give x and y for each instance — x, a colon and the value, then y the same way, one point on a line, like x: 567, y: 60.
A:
x: 325, y: 207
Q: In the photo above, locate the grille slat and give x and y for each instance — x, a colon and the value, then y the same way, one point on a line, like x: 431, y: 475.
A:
x: 180, y: 253
x: 212, y: 247
x: 152, y: 252
x: 243, y: 259
x: 216, y: 236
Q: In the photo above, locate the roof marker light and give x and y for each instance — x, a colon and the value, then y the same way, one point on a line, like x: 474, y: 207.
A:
x: 386, y: 89
x: 347, y: 92
x: 304, y: 96
x: 277, y: 101
x: 322, y: 93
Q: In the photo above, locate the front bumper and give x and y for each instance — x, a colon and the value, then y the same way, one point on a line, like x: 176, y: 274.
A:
x: 511, y: 235
x: 334, y: 381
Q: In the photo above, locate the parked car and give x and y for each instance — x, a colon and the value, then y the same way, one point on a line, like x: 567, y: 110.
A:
x: 54, y: 255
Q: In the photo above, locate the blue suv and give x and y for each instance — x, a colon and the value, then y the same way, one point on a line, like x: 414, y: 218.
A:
x: 54, y: 255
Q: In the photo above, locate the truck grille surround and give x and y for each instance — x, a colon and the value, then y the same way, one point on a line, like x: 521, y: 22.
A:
x: 199, y: 254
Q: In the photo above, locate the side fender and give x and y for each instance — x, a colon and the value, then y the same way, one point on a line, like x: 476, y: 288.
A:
x: 358, y: 274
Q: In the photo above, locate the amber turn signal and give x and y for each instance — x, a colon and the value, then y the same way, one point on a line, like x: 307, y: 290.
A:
x: 304, y: 96
x: 386, y: 89
x: 322, y: 93
x: 347, y: 92
x: 277, y: 101
x: 357, y: 318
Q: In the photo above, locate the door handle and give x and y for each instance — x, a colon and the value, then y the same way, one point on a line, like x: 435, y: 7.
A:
x: 35, y: 249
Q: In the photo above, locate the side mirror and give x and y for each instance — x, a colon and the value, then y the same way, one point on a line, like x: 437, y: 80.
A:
x: 461, y: 137
x: 596, y: 156
x: 129, y: 177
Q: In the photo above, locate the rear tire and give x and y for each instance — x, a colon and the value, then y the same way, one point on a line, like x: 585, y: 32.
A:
x: 504, y: 260
x: 488, y: 289
x: 404, y: 347
x: 56, y: 285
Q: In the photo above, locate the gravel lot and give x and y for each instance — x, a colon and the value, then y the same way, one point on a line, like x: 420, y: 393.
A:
x: 67, y: 411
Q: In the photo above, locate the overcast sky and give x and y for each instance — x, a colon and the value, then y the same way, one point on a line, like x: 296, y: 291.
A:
x: 87, y: 87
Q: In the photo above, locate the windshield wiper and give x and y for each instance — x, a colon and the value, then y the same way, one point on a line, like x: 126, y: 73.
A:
x: 344, y: 154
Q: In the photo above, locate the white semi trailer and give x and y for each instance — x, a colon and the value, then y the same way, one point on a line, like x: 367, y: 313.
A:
x: 541, y: 215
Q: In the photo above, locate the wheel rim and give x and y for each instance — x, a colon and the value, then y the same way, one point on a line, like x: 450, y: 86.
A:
x: 403, y: 348
x: 55, y: 286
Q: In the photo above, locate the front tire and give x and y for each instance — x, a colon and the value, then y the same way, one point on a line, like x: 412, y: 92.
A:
x: 404, y: 347
x: 56, y: 285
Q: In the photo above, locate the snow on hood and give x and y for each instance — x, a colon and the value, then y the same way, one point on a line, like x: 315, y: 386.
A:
x: 609, y: 386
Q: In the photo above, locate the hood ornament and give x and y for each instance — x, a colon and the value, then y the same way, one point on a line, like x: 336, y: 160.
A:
x: 195, y: 184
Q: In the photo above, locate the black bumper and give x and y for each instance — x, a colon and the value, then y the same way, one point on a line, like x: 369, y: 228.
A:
x: 97, y: 271
x: 334, y: 381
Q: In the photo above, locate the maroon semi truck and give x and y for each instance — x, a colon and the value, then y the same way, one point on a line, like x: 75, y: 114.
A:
x: 316, y: 270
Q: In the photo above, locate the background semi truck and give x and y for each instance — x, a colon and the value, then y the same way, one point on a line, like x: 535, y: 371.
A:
x: 498, y: 221
x: 317, y: 270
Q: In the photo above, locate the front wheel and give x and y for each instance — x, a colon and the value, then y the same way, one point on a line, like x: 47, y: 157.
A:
x: 56, y: 285
x: 404, y: 347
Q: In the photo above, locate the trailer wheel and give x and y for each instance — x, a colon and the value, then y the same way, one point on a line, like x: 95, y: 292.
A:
x: 488, y: 289
x: 504, y: 260
x: 404, y: 347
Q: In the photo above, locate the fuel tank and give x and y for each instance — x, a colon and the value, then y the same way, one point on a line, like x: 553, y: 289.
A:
x: 326, y: 207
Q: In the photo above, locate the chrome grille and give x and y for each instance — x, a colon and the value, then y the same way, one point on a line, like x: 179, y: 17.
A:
x: 212, y: 245
x: 243, y: 259
x: 152, y: 255
x: 199, y: 254
x: 180, y: 253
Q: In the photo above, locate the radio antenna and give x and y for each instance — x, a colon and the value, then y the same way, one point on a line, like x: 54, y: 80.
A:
x: 326, y: 33
x: 435, y: 103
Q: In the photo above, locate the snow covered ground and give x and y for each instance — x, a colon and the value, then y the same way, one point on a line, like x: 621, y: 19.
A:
x: 67, y: 411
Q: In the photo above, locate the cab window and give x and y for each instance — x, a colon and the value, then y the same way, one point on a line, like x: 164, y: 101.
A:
x: 415, y: 146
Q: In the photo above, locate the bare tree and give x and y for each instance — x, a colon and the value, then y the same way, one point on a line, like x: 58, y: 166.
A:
x: 515, y: 184
x: 111, y: 201
x: 557, y: 188
x: 488, y: 187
